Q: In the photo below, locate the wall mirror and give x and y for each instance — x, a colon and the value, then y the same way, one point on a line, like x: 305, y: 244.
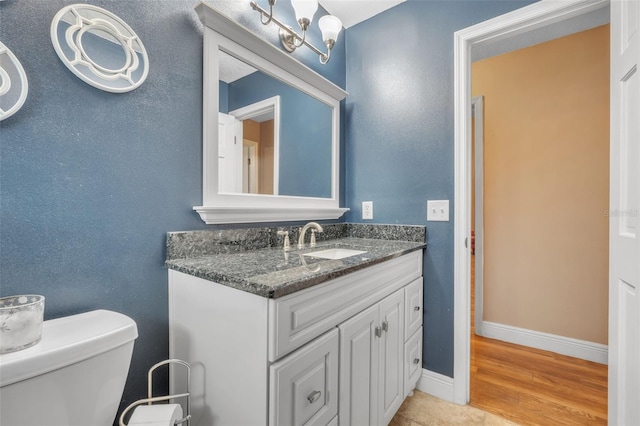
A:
x: 271, y: 131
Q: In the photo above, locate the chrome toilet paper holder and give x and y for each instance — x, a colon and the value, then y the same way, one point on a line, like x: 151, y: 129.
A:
x: 151, y: 399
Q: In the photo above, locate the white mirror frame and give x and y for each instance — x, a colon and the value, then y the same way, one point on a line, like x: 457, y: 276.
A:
x: 221, y: 33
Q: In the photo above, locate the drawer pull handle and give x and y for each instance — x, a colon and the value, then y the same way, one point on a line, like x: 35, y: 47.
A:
x: 378, y: 332
x: 385, y: 326
x: 416, y: 360
x: 416, y: 308
x: 314, y: 396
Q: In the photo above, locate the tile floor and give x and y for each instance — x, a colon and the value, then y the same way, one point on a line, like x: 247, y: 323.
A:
x: 422, y: 409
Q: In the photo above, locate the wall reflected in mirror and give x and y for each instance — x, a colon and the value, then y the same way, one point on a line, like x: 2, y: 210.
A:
x: 272, y: 139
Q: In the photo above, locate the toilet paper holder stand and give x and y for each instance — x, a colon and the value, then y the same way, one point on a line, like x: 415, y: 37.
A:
x: 151, y: 399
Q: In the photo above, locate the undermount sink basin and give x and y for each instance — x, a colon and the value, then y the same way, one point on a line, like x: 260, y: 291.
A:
x: 334, y: 253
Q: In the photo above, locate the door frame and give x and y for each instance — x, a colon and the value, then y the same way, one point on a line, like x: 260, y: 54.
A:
x: 250, y: 156
x: 535, y: 16
x: 270, y: 108
x: 477, y: 111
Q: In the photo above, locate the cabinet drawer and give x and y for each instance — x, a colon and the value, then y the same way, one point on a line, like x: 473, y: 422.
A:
x: 412, y: 361
x: 300, y: 317
x: 304, y: 385
x: 413, y: 307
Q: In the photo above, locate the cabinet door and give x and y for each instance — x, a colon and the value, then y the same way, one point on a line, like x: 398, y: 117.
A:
x: 391, y: 370
x: 413, y: 307
x: 304, y: 385
x: 412, y: 361
x: 359, y: 368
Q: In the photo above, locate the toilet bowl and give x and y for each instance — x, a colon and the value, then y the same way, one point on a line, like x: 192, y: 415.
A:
x: 75, y: 375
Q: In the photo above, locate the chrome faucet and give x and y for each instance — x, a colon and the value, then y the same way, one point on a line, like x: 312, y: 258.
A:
x: 303, y: 231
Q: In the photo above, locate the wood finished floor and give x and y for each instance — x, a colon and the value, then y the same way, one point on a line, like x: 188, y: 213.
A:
x: 512, y: 384
x: 534, y: 387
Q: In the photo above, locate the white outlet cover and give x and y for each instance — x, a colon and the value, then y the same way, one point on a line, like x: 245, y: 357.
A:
x: 438, y: 210
x: 367, y: 209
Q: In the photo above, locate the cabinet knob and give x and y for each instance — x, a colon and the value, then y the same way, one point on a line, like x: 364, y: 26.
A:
x: 378, y: 331
x: 416, y: 360
x: 314, y: 396
x: 385, y: 326
x: 416, y: 308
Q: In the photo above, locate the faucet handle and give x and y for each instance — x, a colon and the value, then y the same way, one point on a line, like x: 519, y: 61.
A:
x: 312, y: 243
x: 287, y: 245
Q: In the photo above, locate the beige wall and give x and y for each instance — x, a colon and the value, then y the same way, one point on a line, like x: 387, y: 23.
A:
x: 546, y: 165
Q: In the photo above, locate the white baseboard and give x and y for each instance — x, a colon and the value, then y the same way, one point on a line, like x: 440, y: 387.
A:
x: 582, y: 349
x: 436, y: 384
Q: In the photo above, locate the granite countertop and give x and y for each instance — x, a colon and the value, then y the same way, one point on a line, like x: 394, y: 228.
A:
x: 271, y: 272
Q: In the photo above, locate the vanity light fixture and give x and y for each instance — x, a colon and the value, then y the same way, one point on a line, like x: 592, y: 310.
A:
x: 330, y: 26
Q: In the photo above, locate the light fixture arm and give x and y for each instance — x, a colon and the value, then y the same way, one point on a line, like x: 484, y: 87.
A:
x: 289, y: 38
x: 304, y: 24
x: 324, y: 58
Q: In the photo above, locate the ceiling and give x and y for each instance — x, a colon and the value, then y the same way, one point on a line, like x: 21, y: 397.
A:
x: 352, y: 12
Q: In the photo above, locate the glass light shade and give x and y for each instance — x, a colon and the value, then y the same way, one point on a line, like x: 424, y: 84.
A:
x: 304, y: 9
x: 330, y: 27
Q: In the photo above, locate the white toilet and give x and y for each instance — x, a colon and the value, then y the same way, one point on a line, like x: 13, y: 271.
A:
x: 75, y: 375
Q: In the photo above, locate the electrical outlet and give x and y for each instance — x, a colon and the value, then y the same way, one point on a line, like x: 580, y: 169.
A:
x: 438, y: 210
x: 367, y: 209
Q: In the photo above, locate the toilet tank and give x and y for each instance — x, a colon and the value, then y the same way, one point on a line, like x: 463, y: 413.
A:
x: 74, y: 376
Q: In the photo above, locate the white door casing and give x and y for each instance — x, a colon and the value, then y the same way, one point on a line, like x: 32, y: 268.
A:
x: 477, y: 105
x: 624, y: 216
x: 250, y: 168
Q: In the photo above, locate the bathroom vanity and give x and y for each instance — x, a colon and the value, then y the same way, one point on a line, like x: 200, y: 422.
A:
x: 277, y: 337
x: 290, y: 338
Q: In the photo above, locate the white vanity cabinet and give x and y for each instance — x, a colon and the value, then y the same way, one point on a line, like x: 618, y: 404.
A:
x: 304, y: 385
x: 413, y: 336
x: 371, y: 363
x: 340, y: 352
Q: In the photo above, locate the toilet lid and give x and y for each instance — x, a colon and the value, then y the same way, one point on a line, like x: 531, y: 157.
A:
x: 66, y: 341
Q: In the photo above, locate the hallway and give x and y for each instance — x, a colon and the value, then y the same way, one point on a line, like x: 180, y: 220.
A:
x: 535, y: 387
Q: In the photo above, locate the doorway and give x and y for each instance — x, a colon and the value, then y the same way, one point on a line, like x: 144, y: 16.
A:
x: 538, y: 20
x: 547, y: 188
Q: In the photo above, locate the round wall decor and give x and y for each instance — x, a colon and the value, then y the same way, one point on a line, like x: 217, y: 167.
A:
x: 13, y: 83
x: 99, y: 48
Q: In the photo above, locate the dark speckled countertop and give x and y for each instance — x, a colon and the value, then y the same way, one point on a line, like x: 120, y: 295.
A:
x: 264, y: 269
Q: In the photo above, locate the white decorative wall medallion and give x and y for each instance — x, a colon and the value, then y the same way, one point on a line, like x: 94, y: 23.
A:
x: 13, y: 83
x: 99, y: 48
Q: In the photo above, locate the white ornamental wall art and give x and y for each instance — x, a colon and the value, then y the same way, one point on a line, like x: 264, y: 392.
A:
x: 13, y: 83
x: 99, y: 48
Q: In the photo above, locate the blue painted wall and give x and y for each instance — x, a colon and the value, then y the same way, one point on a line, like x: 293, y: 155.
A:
x: 399, y: 136
x: 91, y: 182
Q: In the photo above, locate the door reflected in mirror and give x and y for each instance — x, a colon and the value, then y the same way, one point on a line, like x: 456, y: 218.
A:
x: 272, y: 139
